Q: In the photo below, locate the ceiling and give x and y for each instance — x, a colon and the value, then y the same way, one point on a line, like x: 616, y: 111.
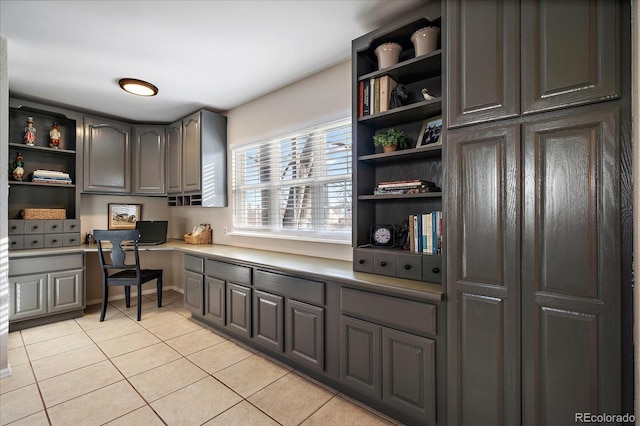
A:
x: 213, y: 54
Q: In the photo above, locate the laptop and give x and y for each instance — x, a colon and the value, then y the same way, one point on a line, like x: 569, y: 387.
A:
x: 152, y: 232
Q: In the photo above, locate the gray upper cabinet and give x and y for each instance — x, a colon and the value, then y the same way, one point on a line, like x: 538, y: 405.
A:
x: 197, y: 160
x: 174, y: 158
x: 569, y: 64
x: 107, y: 156
x: 148, y: 159
x: 483, y: 61
x: 506, y: 58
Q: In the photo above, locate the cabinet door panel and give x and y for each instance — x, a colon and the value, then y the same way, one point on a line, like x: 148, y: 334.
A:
x: 409, y: 381
x: 305, y: 334
x: 571, y: 269
x: 149, y: 159
x: 483, y: 61
x: 214, y: 300
x: 193, y: 292
x: 483, y: 277
x: 268, y: 320
x: 191, y: 165
x: 107, y: 156
x: 360, y: 349
x: 66, y: 290
x: 174, y: 158
x: 239, y: 309
x: 28, y: 296
x: 565, y: 64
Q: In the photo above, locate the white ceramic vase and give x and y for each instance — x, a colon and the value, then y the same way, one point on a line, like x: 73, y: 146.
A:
x: 388, y: 54
x: 425, y: 40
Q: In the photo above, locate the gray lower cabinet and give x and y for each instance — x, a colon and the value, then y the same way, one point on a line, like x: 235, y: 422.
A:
x: 214, y: 300
x: 304, y: 331
x: 383, y: 354
x: 193, y: 284
x: 268, y: 320
x: 239, y: 309
x: 45, y: 285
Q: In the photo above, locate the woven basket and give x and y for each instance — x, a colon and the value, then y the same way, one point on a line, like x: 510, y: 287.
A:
x: 204, y: 238
x: 44, y: 213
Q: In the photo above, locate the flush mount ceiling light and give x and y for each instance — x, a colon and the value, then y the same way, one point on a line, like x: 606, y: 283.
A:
x: 138, y: 87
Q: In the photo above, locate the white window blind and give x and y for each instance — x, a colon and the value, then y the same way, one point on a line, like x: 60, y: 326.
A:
x: 298, y: 185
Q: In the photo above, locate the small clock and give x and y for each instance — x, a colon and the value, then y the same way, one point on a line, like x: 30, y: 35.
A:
x: 383, y: 235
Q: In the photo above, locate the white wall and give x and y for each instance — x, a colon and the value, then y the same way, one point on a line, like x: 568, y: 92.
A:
x: 320, y: 98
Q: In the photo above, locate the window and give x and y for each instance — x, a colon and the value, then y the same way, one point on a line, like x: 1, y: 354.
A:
x: 297, y: 186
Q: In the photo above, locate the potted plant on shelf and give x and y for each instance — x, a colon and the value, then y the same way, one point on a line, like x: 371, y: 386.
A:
x: 391, y: 140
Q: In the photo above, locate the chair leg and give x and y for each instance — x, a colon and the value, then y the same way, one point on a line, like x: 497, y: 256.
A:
x: 127, y: 296
x: 159, y: 290
x: 139, y: 302
x: 105, y: 297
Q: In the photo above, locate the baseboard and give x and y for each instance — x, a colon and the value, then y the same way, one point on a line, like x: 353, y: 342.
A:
x: 134, y: 293
x: 5, y: 372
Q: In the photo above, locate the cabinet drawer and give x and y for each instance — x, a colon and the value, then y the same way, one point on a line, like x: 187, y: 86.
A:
x: 72, y: 239
x: 384, y: 263
x: 363, y: 260
x: 192, y: 263
x: 228, y: 272
x: 16, y: 226
x: 53, y: 226
x: 34, y: 226
x: 71, y: 225
x: 432, y: 269
x: 37, y: 264
x: 16, y: 242
x: 52, y: 240
x: 300, y: 289
x: 409, y: 266
x: 34, y: 241
x: 388, y: 310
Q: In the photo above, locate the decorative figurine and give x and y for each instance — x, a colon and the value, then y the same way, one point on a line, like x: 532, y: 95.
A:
x: 54, y: 136
x: 30, y: 133
x: 427, y: 95
x: 18, y: 167
x: 398, y: 96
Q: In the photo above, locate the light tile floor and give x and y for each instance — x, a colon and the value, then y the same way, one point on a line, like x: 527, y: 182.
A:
x: 165, y: 369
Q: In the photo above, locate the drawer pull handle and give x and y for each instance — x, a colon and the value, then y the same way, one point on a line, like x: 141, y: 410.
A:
x: 435, y: 270
x: 383, y: 263
x: 14, y: 227
x: 34, y: 242
x: 35, y: 227
x: 72, y: 239
x: 407, y: 267
x: 54, y: 226
x: 13, y: 243
x: 54, y: 241
x: 361, y: 261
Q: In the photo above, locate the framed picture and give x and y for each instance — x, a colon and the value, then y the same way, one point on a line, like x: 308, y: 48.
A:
x: 430, y: 131
x: 124, y: 216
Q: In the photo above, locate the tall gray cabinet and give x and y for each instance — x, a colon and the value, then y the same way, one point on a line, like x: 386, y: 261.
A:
x: 537, y: 188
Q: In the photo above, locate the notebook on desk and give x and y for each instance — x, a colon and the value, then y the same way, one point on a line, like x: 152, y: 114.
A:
x: 152, y: 232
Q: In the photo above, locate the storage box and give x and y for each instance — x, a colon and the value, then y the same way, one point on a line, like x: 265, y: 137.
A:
x: 204, y: 238
x: 44, y: 213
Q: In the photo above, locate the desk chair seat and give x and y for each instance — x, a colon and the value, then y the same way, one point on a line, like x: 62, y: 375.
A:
x: 116, y: 270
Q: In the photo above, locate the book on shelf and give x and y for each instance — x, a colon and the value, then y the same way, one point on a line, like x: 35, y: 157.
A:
x: 360, y: 98
x: 50, y: 176
x: 387, y: 84
x: 372, y: 96
x: 425, y: 233
x: 366, y: 99
x: 413, y: 186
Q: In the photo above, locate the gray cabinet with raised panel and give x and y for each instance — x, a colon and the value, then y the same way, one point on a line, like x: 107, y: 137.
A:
x: 149, y: 158
x: 107, y: 156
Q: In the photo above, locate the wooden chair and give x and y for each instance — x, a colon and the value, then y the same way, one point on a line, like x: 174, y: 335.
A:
x: 115, y: 270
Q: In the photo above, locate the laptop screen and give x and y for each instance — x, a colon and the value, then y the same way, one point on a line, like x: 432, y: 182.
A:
x: 152, y: 231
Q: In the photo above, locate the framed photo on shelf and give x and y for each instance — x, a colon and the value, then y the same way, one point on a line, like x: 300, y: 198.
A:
x: 430, y: 131
x: 124, y: 216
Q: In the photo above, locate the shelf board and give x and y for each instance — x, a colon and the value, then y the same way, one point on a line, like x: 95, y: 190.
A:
x: 27, y: 183
x: 404, y: 114
x: 24, y: 147
x: 411, y: 70
x: 399, y: 196
x: 426, y: 151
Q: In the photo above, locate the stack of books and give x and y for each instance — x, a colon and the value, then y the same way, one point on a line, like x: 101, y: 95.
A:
x: 51, y: 176
x: 425, y: 233
x: 412, y: 186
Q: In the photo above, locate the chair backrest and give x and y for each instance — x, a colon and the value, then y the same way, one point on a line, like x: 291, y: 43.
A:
x: 116, y: 249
